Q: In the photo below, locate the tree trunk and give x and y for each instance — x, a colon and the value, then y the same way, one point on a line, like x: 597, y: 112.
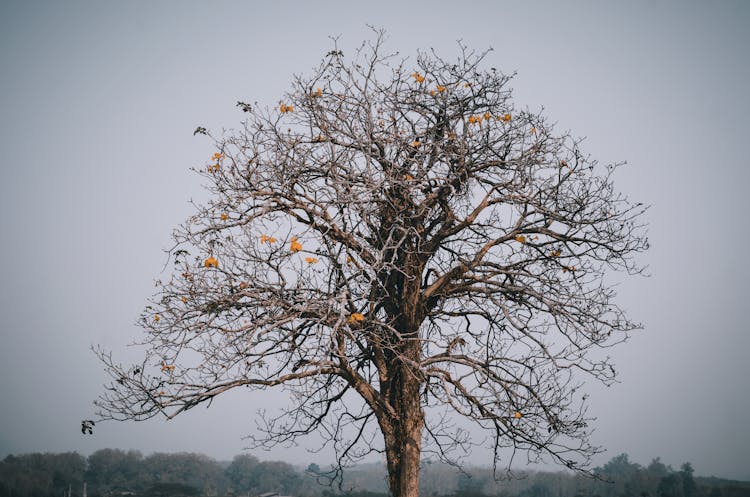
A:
x: 403, y: 436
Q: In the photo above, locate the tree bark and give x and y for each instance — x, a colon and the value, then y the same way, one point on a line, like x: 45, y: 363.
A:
x: 403, y: 434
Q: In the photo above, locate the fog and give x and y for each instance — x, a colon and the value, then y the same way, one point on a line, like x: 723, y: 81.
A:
x: 99, y: 102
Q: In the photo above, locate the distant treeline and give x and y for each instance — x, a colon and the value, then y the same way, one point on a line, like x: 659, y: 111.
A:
x: 113, y: 472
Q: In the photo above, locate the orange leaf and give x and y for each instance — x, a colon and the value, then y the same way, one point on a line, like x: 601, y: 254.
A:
x: 520, y: 238
x: 355, y: 317
x: 294, y: 245
x: 211, y: 262
x: 311, y: 260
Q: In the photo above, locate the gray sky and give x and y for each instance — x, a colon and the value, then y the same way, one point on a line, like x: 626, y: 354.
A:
x: 99, y: 100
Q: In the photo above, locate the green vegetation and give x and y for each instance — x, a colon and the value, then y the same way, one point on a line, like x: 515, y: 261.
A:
x: 113, y: 472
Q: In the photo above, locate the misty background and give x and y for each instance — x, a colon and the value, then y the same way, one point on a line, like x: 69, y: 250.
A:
x: 99, y: 101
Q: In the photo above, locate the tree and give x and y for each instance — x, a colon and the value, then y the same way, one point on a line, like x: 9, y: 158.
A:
x: 669, y: 486
x: 241, y: 473
x: 397, y: 246
x: 41, y: 475
x: 688, y: 483
x: 195, y: 470
x: 622, y: 476
x: 247, y: 475
x: 114, y: 469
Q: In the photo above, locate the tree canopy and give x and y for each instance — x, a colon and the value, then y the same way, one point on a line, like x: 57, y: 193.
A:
x: 398, y: 246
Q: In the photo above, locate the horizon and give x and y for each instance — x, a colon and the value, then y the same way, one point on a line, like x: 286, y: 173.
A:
x: 301, y: 466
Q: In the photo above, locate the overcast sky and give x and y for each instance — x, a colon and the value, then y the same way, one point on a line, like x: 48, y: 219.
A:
x: 98, y: 102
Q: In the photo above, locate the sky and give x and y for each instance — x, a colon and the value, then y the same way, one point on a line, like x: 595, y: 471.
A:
x: 99, y: 100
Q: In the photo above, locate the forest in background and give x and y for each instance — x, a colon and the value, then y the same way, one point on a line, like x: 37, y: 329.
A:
x: 114, y: 472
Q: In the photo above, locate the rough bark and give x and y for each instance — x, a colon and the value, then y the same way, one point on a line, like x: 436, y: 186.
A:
x: 403, y: 434
x: 403, y: 453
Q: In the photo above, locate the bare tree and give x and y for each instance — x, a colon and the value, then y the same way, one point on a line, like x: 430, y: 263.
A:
x: 398, y: 247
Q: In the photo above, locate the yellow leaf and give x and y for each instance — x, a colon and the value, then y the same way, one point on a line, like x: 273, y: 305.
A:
x: 415, y: 143
x: 533, y: 130
x: 267, y: 239
x: 318, y: 92
x: 224, y: 216
x: 487, y: 116
x: 355, y: 317
x: 157, y: 318
x: 167, y: 367
x: 294, y: 245
x: 184, y: 300
x: 284, y: 108
x: 418, y: 77
x: 506, y: 117
x: 517, y: 415
x: 440, y: 88
x: 211, y: 262
x: 555, y: 253
x: 311, y: 260
x: 520, y: 238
